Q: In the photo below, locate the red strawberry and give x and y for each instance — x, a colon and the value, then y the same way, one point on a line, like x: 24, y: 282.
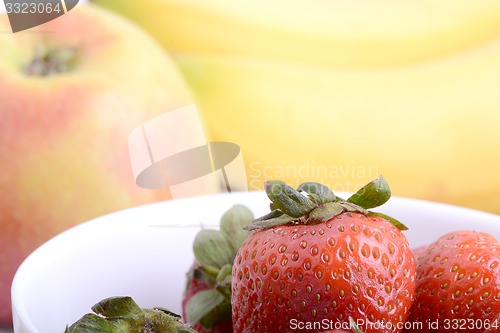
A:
x: 458, y: 284
x: 321, y: 259
x: 206, y: 304
x: 197, y: 281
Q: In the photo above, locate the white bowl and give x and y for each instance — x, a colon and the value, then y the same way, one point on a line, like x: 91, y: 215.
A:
x: 144, y: 252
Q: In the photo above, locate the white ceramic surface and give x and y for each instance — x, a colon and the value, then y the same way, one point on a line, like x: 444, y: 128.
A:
x: 144, y: 252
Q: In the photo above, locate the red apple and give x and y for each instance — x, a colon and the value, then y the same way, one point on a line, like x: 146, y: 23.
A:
x: 71, y: 91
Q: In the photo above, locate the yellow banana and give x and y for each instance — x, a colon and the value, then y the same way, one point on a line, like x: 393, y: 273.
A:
x: 340, y: 91
x: 363, y: 33
x: 432, y: 129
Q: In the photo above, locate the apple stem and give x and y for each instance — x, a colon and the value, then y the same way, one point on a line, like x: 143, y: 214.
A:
x: 51, y: 62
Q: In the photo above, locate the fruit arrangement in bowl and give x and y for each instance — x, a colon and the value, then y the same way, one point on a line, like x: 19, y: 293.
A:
x: 313, y: 262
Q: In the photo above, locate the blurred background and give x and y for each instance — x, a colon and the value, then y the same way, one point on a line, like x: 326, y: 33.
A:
x: 342, y: 92
x: 331, y: 91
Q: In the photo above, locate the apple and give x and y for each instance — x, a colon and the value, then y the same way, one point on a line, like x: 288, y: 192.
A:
x: 71, y: 92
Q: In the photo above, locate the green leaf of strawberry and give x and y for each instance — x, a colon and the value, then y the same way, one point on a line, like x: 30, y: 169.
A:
x: 90, y: 323
x: 201, y: 304
x: 232, y: 225
x: 212, y: 249
x: 372, y: 195
x: 318, y: 193
x: 288, y: 200
x: 117, y: 307
x: 207, y: 297
x: 122, y: 314
x: 224, y: 279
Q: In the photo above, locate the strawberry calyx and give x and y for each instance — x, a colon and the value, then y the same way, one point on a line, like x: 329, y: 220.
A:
x: 320, y: 204
x: 214, y: 251
x: 122, y: 314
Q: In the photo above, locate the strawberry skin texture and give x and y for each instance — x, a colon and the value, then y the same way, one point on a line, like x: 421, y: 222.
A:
x: 194, y: 287
x: 458, y: 278
x: 352, y: 265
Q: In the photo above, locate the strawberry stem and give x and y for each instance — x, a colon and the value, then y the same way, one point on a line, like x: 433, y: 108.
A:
x: 318, y: 193
x: 288, y: 200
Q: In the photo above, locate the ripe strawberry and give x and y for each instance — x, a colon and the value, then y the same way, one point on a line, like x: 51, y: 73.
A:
x: 197, y: 282
x: 319, y: 257
x: 206, y: 303
x: 458, y: 284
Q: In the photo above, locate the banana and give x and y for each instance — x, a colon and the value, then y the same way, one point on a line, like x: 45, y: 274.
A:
x: 339, y: 33
x: 431, y: 129
x: 340, y: 91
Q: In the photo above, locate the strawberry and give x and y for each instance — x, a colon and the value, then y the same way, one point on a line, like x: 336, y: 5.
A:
x: 318, y: 259
x: 122, y: 314
x: 206, y: 303
x: 197, y: 282
x: 458, y: 284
